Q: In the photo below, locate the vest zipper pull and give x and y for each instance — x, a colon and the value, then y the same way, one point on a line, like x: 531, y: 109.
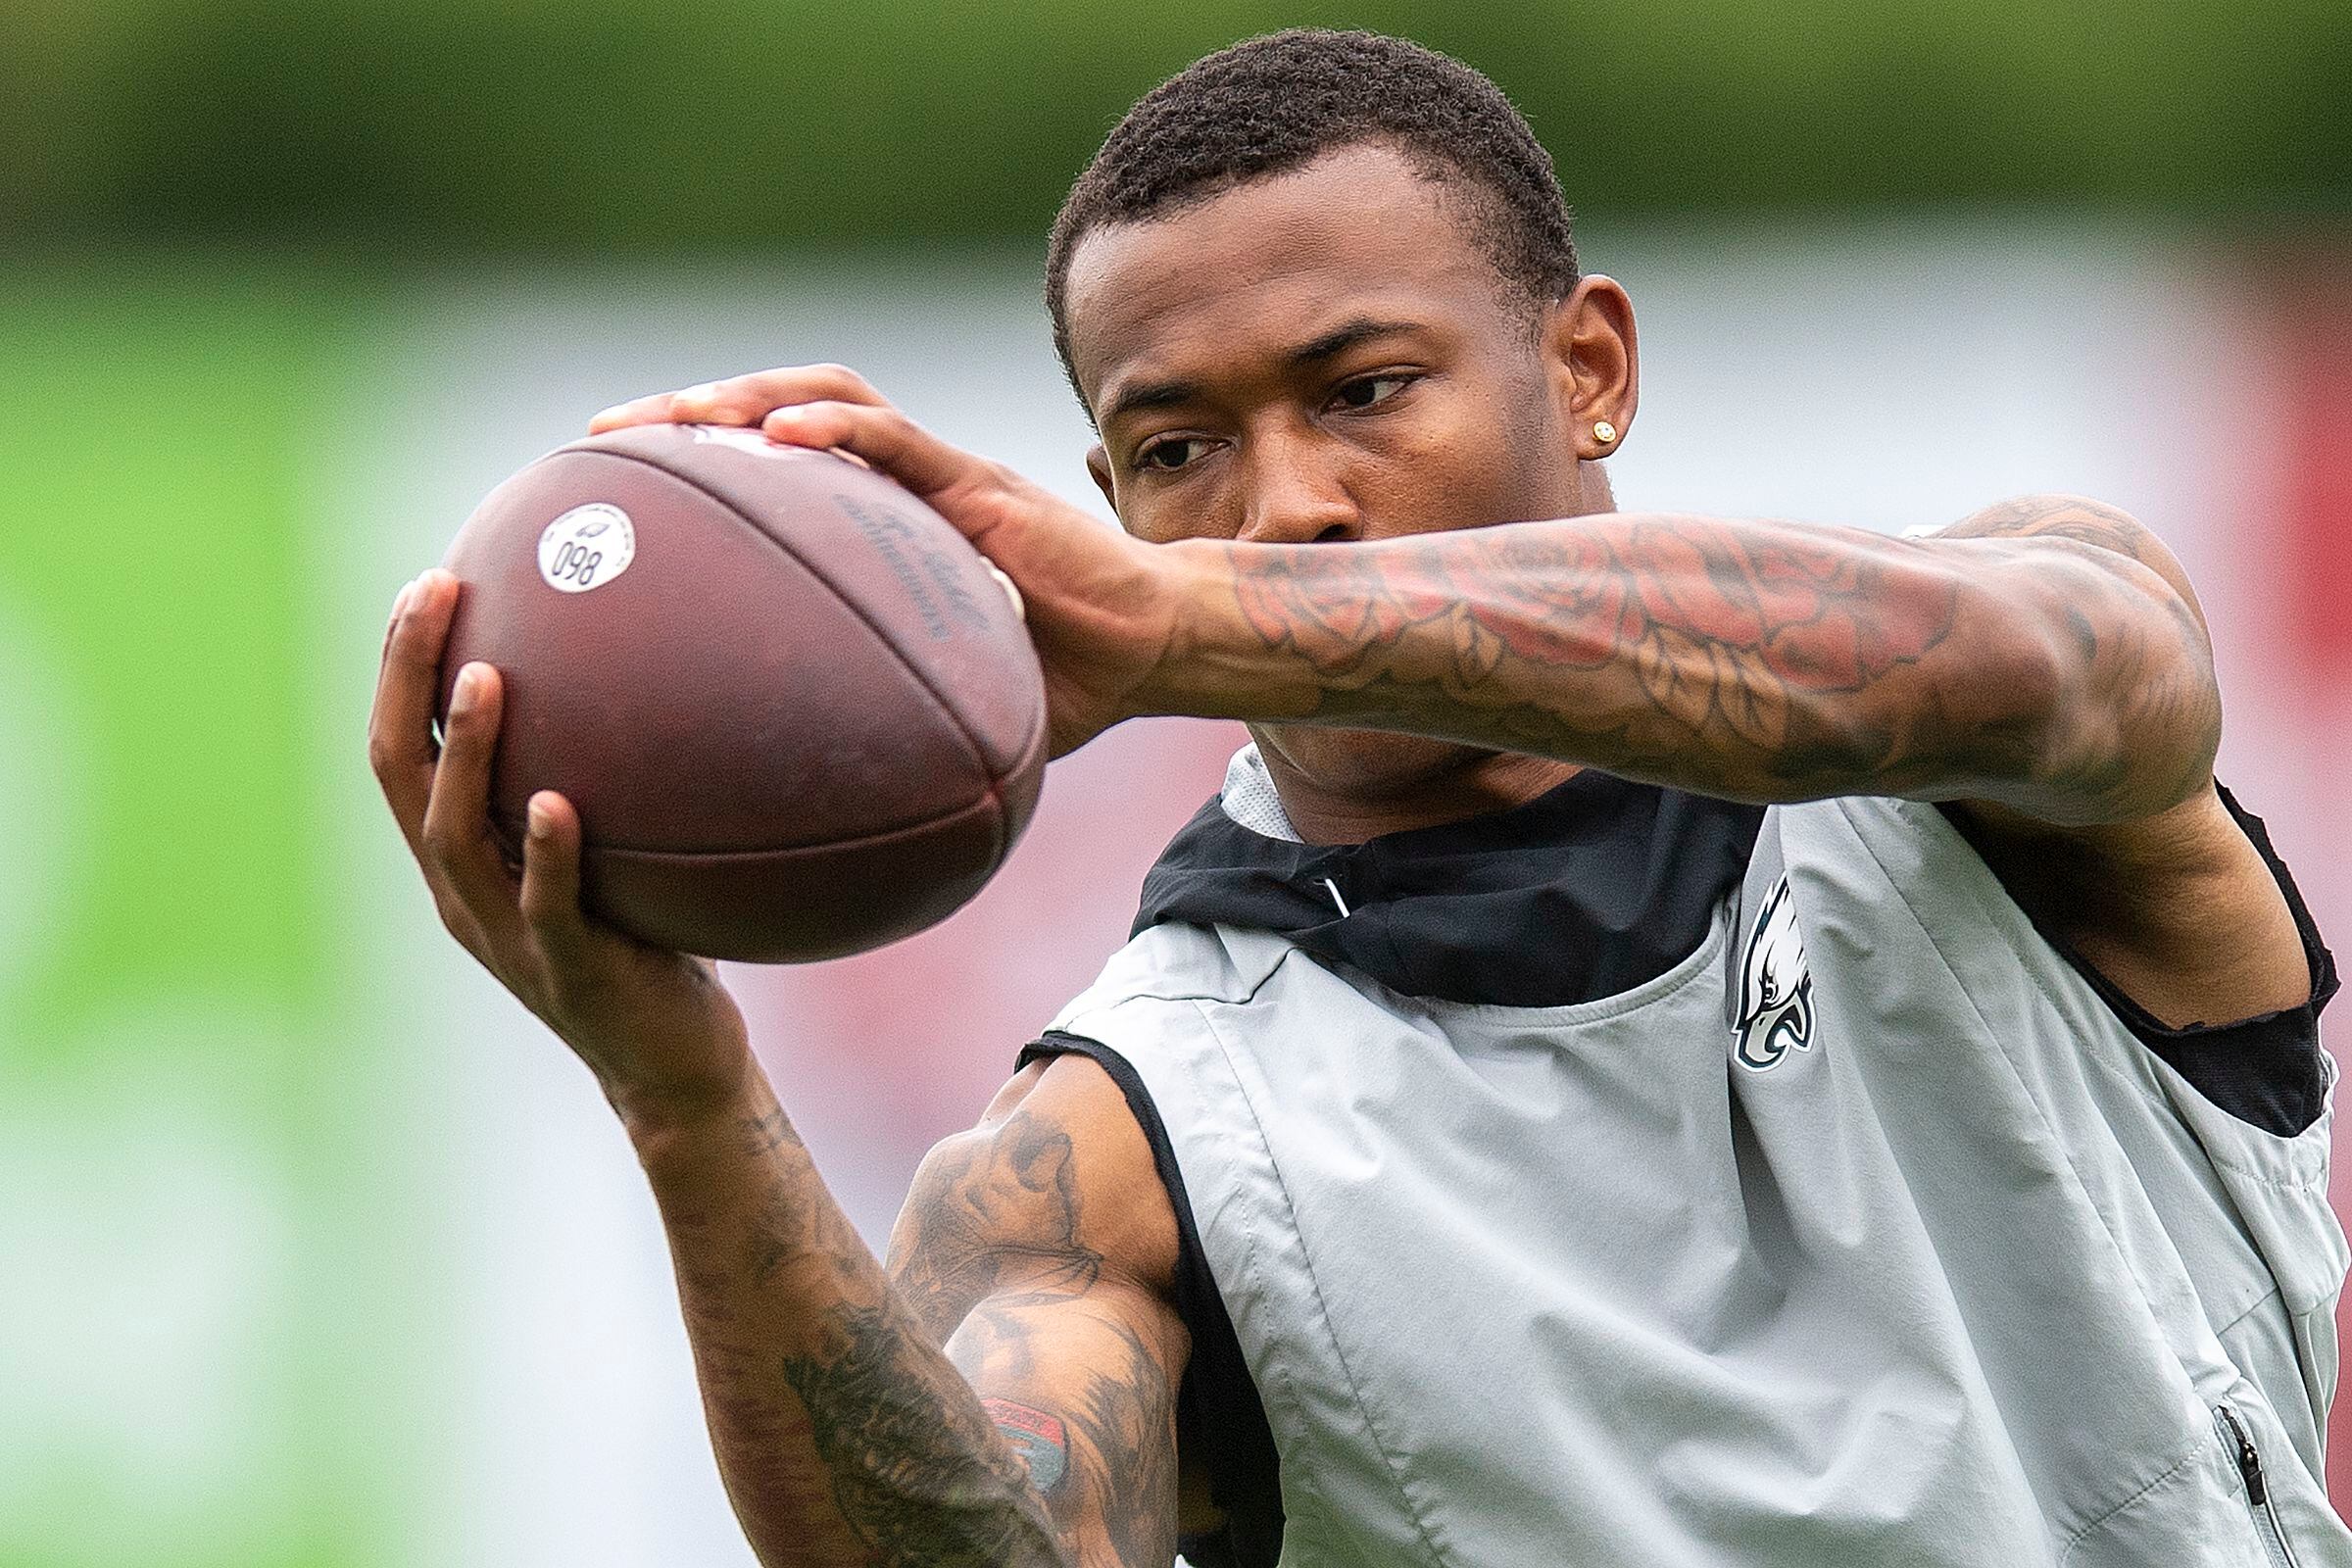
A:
x: 2249, y: 1461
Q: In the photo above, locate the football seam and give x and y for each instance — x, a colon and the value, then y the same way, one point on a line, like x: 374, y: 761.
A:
x: 996, y: 785
x: 989, y: 801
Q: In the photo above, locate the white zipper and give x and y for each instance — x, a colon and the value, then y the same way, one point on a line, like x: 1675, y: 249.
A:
x: 2258, y: 1488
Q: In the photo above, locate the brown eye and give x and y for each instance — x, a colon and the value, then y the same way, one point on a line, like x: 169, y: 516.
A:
x: 1371, y: 391
x: 1168, y: 456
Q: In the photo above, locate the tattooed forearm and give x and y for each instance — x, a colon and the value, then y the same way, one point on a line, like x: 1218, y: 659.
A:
x: 843, y: 1434
x: 844, y: 1401
x: 767, y: 1130
x: 916, y: 1468
x: 2049, y: 664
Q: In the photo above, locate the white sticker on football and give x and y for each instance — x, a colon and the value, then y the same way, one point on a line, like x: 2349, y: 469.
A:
x: 587, y: 548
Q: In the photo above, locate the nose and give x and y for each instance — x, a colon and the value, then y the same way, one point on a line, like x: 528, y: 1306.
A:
x: 1297, y: 496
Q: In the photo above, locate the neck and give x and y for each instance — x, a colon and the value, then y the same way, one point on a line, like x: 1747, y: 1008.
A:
x: 1449, y: 788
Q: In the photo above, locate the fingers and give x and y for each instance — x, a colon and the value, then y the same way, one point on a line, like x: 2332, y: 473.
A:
x: 441, y: 795
x: 653, y: 409
x: 441, y: 801
x: 827, y: 406
x: 741, y: 400
x: 400, y: 726
x: 461, y: 857
x: 551, y: 881
x: 881, y: 435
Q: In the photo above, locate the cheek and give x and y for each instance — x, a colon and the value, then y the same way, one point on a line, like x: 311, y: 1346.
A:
x: 1480, y: 459
x: 1146, y: 522
x: 1164, y: 514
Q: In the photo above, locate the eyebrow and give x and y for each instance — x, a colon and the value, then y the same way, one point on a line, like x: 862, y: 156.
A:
x: 1151, y: 395
x: 1339, y: 340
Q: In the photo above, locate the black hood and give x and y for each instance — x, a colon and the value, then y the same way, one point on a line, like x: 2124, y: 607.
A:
x: 1589, y: 889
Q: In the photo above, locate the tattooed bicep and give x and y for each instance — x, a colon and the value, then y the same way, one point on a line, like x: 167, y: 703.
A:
x: 990, y: 1209
x: 1083, y: 1389
x: 1038, y: 1438
x: 1052, y: 1194
x: 2079, y: 520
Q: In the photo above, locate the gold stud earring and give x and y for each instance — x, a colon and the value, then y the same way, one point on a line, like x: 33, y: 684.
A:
x: 1605, y: 432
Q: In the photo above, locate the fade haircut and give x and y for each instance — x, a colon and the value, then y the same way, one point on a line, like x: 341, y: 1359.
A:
x: 1270, y: 105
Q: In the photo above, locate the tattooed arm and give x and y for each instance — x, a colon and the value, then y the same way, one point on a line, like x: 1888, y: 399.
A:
x: 2041, y: 666
x: 1041, y: 1249
x: 2045, y: 659
x: 1043, y: 1432
x: 2176, y: 907
x: 845, y: 1434
x: 2045, y: 656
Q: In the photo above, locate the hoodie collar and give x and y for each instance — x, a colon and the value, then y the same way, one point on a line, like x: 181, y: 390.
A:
x: 1590, y: 888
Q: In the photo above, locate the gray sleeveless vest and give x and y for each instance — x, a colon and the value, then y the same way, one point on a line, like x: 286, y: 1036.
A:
x: 1865, y: 1236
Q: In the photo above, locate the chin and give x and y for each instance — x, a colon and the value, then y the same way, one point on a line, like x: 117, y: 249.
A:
x: 1363, y: 765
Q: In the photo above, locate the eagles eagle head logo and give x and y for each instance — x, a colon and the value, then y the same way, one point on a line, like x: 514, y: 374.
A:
x: 1776, y: 988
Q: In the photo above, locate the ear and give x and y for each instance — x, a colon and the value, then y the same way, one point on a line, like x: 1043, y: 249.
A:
x: 1593, y: 363
x: 1098, y: 463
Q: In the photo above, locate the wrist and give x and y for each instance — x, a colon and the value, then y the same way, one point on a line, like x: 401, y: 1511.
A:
x: 1205, y: 668
x: 681, y: 1113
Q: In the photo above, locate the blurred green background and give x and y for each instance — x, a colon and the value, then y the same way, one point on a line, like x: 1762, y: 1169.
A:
x: 546, y: 128
x: 258, y: 1211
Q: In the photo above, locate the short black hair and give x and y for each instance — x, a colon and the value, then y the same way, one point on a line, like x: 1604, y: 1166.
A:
x: 1269, y: 105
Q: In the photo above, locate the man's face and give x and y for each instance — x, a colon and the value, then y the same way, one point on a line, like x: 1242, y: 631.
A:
x: 1321, y: 356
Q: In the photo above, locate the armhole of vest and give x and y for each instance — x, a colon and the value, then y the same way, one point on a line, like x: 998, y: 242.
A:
x: 1219, y: 1416
x: 2268, y: 1071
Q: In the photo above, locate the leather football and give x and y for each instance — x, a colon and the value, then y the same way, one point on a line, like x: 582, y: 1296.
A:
x: 796, y: 711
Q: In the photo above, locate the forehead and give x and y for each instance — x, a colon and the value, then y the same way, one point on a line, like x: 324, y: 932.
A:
x: 1358, y: 233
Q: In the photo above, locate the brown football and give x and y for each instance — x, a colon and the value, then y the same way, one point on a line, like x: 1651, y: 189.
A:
x: 798, y: 714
